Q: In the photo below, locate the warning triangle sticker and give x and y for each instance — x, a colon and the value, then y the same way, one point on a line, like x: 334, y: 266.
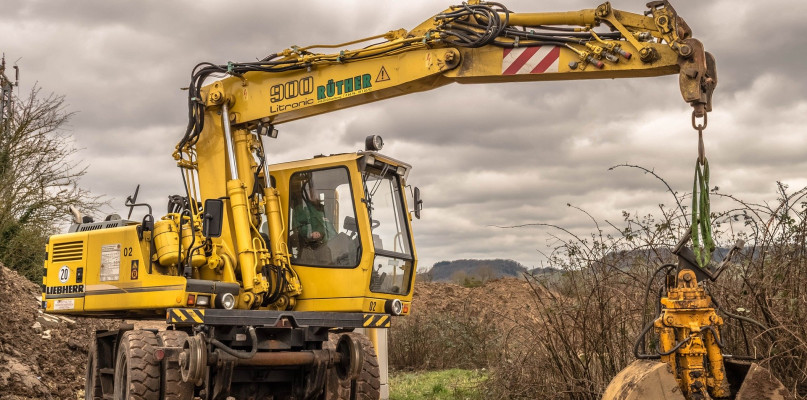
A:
x: 382, y: 75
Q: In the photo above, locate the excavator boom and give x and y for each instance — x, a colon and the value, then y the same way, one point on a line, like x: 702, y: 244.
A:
x: 474, y: 43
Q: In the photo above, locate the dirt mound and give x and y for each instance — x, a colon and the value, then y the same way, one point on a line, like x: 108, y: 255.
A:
x: 507, y: 300
x: 451, y: 326
x: 41, y: 356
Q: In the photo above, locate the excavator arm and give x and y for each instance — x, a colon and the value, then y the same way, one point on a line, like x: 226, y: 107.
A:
x: 473, y: 43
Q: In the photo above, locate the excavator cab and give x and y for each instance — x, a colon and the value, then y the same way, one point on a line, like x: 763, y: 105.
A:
x: 349, y: 234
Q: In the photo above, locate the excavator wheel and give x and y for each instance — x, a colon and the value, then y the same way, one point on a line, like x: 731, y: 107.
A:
x: 92, y: 384
x: 137, y: 371
x: 172, y: 386
x: 646, y: 379
x: 335, y: 388
x: 368, y: 385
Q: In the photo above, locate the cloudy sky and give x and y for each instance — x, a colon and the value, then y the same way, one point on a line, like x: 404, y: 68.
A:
x: 484, y: 155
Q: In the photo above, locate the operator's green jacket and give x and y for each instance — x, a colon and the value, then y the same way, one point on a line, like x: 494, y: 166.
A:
x: 308, y: 218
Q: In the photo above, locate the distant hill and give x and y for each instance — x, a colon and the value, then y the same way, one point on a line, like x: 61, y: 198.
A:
x: 472, y: 273
x: 482, y: 270
x: 544, y: 271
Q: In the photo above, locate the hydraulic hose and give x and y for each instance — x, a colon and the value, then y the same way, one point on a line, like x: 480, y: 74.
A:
x: 640, y: 340
x: 239, y: 353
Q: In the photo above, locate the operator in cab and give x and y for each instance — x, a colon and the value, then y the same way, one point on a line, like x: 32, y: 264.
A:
x: 310, y: 224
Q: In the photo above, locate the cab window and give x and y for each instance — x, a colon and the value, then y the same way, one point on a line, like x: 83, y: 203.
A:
x: 394, y: 262
x: 322, y: 219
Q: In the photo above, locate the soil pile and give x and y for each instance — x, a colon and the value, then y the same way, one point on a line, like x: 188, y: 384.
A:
x: 452, y: 326
x: 507, y: 300
x: 41, y: 356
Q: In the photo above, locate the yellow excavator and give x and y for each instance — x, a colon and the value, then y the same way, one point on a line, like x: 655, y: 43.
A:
x: 265, y: 273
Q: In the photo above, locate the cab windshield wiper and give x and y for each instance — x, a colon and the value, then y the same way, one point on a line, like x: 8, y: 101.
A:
x: 381, y: 177
x: 368, y: 194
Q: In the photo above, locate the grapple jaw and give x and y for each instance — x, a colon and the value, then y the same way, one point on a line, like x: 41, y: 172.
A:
x: 644, y: 379
x: 648, y: 379
x: 752, y: 381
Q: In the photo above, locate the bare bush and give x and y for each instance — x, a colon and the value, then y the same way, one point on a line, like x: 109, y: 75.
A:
x: 432, y: 342
x: 39, y: 179
x: 588, y: 316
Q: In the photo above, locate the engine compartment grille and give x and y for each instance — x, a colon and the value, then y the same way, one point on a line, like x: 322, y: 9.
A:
x: 68, y: 251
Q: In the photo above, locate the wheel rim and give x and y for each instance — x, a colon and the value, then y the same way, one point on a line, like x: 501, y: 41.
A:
x: 352, y: 358
x: 193, y: 359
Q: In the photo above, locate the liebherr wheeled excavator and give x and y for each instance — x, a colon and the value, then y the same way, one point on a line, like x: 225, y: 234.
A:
x: 263, y: 272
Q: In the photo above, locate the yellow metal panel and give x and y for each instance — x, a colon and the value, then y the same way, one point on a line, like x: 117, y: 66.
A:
x: 484, y: 65
x: 286, y: 96
x: 115, y: 275
x: 351, y: 304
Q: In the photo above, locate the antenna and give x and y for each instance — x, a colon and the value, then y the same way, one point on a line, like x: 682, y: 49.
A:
x: 7, y: 90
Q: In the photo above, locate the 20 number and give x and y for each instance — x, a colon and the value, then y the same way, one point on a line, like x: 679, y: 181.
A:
x: 64, y: 274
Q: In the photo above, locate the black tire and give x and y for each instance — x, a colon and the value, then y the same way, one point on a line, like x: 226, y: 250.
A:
x: 92, y: 384
x: 137, y: 371
x: 335, y: 388
x: 172, y: 387
x: 368, y: 385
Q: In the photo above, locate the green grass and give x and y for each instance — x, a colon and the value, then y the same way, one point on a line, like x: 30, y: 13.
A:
x: 450, y: 384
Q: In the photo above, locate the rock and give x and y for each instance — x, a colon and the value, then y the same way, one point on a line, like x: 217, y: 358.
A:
x: 37, y: 327
x: 21, y: 375
x: 48, y: 321
x: 46, y: 335
x: 70, y: 322
x: 73, y: 344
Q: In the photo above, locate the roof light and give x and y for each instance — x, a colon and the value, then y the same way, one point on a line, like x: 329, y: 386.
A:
x: 373, y: 143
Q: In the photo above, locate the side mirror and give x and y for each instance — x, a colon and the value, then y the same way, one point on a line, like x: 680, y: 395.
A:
x: 212, y: 218
x: 418, y: 203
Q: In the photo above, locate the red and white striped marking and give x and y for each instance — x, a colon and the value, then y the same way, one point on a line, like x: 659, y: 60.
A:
x: 531, y: 60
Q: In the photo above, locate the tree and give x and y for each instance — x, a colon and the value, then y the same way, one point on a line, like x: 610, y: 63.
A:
x: 459, y: 277
x: 486, y: 273
x: 424, y: 275
x: 38, y: 180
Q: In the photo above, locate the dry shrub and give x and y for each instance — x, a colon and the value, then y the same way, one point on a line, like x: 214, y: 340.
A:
x: 591, y: 313
x: 588, y: 315
x: 431, y: 341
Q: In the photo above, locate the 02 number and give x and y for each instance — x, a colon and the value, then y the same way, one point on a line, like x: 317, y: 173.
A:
x: 372, y: 305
